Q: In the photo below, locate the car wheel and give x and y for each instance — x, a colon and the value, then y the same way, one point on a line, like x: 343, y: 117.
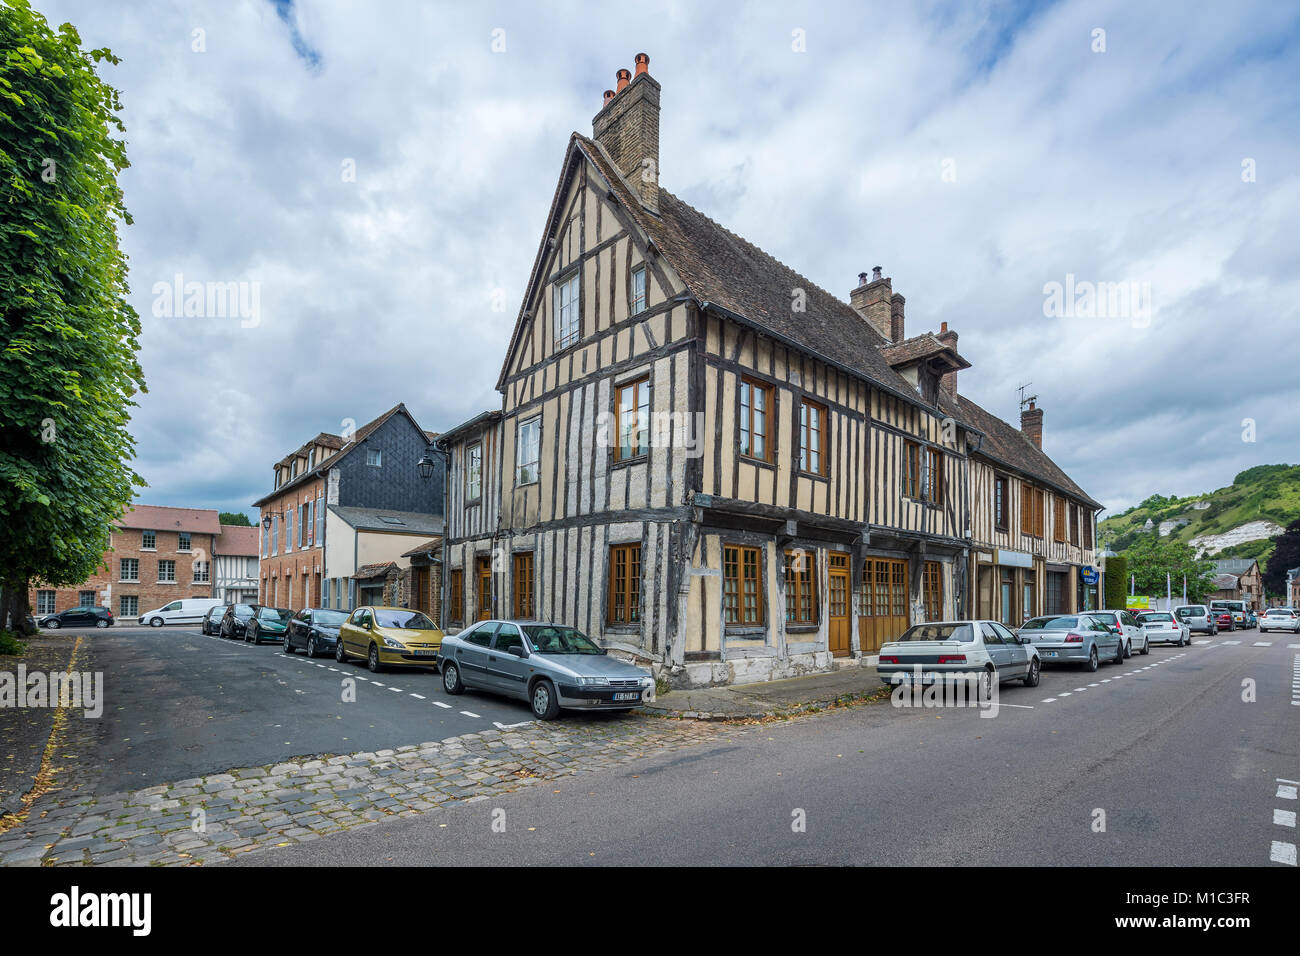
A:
x: 311, y: 645
x: 1119, y: 653
x: 340, y: 655
x: 101, y: 623
x: 1128, y: 648
x: 1092, y: 659
x: 252, y: 635
x: 545, y: 704
x: 155, y: 622
x: 53, y: 624
x: 451, y: 679
x: 1032, y: 678
x: 372, y: 660
x: 1146, y: 645
x: 288, y: 647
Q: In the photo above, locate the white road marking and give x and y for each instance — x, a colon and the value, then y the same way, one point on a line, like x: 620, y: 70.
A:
x: 1202, y: 642
x: 1284, y: 780
x: 438, y: 703
x: 395, y: 690
x: 1065, y: 694
x: 376, y: 683
x: 1234, y: 643
x: 1282, y: 853
x: 1080, y: 690
x: 1284, y: 818
x: 1021, y: 706
x: 417, y: 696
x: 469, y: 713
x: 1263, y: 643
x: 1285, y: 792
x: 1050, y: 700
x: 1094, y: 685
x: 1292, y: 647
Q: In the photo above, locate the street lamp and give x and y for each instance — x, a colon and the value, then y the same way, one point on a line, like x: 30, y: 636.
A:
x: 426, y: 464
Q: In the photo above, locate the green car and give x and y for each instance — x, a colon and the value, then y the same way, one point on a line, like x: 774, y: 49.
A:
x: 269, y: 623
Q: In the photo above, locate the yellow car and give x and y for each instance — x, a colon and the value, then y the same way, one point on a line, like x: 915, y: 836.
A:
x: 388, y: 637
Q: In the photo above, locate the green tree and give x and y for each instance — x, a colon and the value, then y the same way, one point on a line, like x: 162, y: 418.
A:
x: 1152, y: 557
x: 68, y: 335
x: 235, y: 518
x: 1285, y: 557
x: 1116, y: 582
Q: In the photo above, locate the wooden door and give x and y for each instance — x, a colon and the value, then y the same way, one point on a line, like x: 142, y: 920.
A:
x: 420, y: 588
x: 484, y: 588
x: 883, y: 602
x: 839, y: 605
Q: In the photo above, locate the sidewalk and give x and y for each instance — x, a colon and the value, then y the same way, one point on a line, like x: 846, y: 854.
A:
x: 26, y: 730
x: 769, y: 698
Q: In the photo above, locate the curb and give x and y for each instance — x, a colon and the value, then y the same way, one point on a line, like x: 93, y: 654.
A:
x: 865, y: 696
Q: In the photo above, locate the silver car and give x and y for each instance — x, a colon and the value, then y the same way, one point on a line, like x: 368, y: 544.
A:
x: 1198, y: 618
x: 552, y: 666
x: 1126, y: 626
x: 1074, y: 639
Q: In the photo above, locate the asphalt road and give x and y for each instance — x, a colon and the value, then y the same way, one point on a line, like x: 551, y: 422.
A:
x: 180, y: 704
x: 1184, y: 769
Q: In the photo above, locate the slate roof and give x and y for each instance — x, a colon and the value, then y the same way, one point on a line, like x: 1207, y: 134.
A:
x: 1237, y: 566
x: 433, y: 544
x: 404, y: 522
x: 158, y: 518
x: 346, y: 448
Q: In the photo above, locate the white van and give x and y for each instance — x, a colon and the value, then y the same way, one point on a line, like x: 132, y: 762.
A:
x: 186, y: 611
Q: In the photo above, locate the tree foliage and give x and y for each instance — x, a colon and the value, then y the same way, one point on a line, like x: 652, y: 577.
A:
x: 67, y: 334
x: 237, y: 518
x: 1285, y: 556
x: 1151, y: 558
x: 1116, y: 582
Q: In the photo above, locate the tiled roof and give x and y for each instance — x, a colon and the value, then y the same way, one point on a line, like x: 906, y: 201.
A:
x: 433, y: 544
x: 157, y: 518
x: 922, y: 346
x: 1007, y: 445
x: 238, y: 540
x: 368, y: 571
x: 1224, y: 582
x: 1234, y: 565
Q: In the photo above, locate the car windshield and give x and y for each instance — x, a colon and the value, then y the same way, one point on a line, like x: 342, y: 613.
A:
x: 1051, y: 624
x: 1154, y: 618
x: 1190, y: 611
x: 1104, y: 616
x: 329, y: 617
x: 554, y: 639
x: 1278, y: 612
x: 938, y: 632
x: 243, y: 610
x: 411, y: 620
x: 273, y: 614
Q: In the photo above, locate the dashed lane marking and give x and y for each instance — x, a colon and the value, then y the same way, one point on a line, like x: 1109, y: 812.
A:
x: 1282, y: 853
x: 438, y: 703
x: 1285, y: 792
x: 469, y: 713
x: 1284, y: 818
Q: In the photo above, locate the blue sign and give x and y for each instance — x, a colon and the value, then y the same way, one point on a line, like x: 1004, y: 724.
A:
x: 1089, y: 575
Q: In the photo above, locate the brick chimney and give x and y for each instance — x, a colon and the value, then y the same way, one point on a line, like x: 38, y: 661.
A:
x: 896, y: 318
x: 949, y: 381
x: 1031, y: 423
x: 874, y: 300
x: 627, y: 126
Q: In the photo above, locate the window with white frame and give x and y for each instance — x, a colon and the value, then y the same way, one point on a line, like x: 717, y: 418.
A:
x: 148, y: 540
x: 201, y: 572
x: 568, y: 322
x: 528, y: 451
x: 474, y: 472
x: 638, y: 290
x: 128, y: 605
x: 184, y: 541
x: 166, y: 570
x: 130, y: 569
x: 85, y: 599
x: 375, y: 457
x: 44, y: 602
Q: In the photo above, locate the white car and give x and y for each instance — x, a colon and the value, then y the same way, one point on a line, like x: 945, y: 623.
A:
x: 1163, y: 628
x: 943, y: 648
x: 1280, y: 619
x: 185, y: 611
x: 1125, y: 624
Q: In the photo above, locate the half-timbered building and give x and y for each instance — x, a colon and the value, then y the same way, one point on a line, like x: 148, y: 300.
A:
x: 702, y: 459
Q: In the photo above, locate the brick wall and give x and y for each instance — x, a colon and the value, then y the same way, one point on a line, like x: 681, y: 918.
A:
x: 303, y: 566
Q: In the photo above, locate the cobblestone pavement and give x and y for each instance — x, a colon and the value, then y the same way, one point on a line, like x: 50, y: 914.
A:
x: 213, y: 818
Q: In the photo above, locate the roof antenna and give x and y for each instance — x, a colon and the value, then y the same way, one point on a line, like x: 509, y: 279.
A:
x: 1026, y: 399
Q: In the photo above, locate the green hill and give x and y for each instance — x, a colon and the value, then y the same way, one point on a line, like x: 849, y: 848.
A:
x: 1237, y: 521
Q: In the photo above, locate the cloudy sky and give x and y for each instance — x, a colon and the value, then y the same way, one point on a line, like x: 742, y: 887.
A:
x: 979, y: 152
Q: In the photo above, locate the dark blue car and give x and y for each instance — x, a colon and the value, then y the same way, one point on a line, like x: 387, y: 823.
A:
x: 314, y: 630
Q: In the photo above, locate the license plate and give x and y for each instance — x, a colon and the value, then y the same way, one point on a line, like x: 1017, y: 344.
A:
x: 1049, y: 653
x: 631, y: 695
x: 420, y: 653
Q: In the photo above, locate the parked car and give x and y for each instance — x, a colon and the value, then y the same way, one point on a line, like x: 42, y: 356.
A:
x: 315, y: 630
x: 184, y: 611
x: 951, y: 648
x: 388, y: 636
x: 1238, y: 609
x: 1074, y: 639
x: 79, y: 617
x: 269, y: 623
x: 552, y: 666
x: 1125, y: 624
x: 235, y: 619
x: 1280, y: 619
x: 1252, y: 619
x: 212, y: 619
x: 1163, y: 628
x: 1223, y: 619
x: 1198, y: 618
